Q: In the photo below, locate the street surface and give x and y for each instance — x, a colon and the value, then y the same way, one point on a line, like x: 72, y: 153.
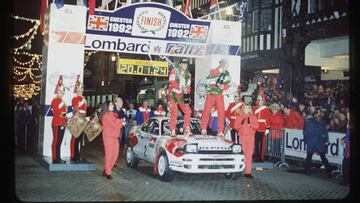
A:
x: 34, y: 183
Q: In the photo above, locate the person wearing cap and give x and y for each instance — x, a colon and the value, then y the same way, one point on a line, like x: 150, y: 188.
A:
x: 216, y: 82
x: 59, y: 120
x: 179, y: 87
x: 231, y: 114
x: 262, y: 113
x: 292, y: 118
x: 246, y: 124
x: 79, y: 104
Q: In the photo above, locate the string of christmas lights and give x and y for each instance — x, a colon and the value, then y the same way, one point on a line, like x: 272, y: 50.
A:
x: 26, y: 69
x: 31, y: 32
x: 26, y: 91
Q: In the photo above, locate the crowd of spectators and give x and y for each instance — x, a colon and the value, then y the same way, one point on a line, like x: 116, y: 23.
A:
x: 332, y: 97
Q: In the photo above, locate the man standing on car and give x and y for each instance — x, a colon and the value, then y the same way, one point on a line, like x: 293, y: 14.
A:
x: 179, y: 92
x: 216, y: 82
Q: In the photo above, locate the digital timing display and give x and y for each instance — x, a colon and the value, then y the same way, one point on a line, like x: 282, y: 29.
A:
x: 142, y: 67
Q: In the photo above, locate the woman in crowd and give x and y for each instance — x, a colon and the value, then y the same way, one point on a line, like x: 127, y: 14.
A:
x: 112, y: 126
x: 246, y: 124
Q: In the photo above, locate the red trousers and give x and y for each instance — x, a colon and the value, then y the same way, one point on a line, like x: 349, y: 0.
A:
x: 212, y: 100
x: 247, y: 144
x: 111, y: 149
x: 58, y: 135
x: 75, y: 147
x: 174, y: 114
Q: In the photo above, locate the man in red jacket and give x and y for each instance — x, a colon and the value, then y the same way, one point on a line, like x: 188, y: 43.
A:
x: 59, y: 120
x: 246, y: 124
x: 231, y: 114
x: 78, y: 104
x: 179, y: 87
x: 292, y: 118
x: 262, y: 113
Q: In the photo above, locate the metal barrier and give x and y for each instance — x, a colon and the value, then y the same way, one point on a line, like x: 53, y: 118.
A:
x: 275, y: 148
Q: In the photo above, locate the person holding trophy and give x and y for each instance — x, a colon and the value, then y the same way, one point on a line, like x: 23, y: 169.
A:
x: 216, y: 82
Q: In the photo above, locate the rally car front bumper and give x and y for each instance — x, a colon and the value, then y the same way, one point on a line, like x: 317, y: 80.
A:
x: 207, y: 163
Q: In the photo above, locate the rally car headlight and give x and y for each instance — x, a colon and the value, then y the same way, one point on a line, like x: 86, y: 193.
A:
x: 236, y: 148
x: 191, y: 148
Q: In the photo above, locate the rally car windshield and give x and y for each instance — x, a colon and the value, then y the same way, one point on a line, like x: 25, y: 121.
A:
x: 194, y: 126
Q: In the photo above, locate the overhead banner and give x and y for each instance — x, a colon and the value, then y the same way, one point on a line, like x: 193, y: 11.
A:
x: 294, y: 146
x: 147, y: 28
x: 142, y: 67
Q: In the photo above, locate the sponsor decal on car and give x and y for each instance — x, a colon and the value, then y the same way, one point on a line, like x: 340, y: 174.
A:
x: 173, y: 144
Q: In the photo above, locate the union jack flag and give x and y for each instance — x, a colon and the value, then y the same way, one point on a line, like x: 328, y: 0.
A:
x: 98, y: 23
x: 198, y: 31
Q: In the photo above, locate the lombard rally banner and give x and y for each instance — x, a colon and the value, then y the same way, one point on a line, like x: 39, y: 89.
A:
x: 146, y: 28
x: 295, y: 146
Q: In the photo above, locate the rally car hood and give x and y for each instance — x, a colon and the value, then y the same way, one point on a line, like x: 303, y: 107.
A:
x: 204, y: 142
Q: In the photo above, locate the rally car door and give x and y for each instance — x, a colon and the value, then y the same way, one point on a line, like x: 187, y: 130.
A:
x: 142, y: 137
x: 146, y: 138
x: 153, y: 134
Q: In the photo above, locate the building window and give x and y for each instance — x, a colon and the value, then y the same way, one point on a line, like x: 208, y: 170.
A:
x: 248, y: 23
x: 253, y: 4
x: 266, y: 20
x: 243, y: 27
x: 295, y: 7
x: 266, y: 3
x: 322, y: 5
x: 311, y: 6
x: 255, y: 21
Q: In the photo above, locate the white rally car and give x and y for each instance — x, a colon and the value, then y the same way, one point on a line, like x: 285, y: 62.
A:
x: 197, y: 153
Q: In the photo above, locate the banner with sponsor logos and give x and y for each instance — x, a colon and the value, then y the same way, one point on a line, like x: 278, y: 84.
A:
x: 294, y: 146
x: 63, y: 54
x: 147, y: 28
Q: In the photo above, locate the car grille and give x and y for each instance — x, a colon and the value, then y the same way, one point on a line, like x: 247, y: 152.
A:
x: 216, y: 159
x: 215, y: 152
x: 216, y: 166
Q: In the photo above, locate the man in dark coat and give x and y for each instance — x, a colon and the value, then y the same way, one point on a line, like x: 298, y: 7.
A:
x: 316, y: 138
x: 119, y: 103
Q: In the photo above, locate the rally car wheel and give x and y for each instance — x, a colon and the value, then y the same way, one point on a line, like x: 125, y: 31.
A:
x: 232, y: 176
x: 164, y: 172
x: 131, y: 160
